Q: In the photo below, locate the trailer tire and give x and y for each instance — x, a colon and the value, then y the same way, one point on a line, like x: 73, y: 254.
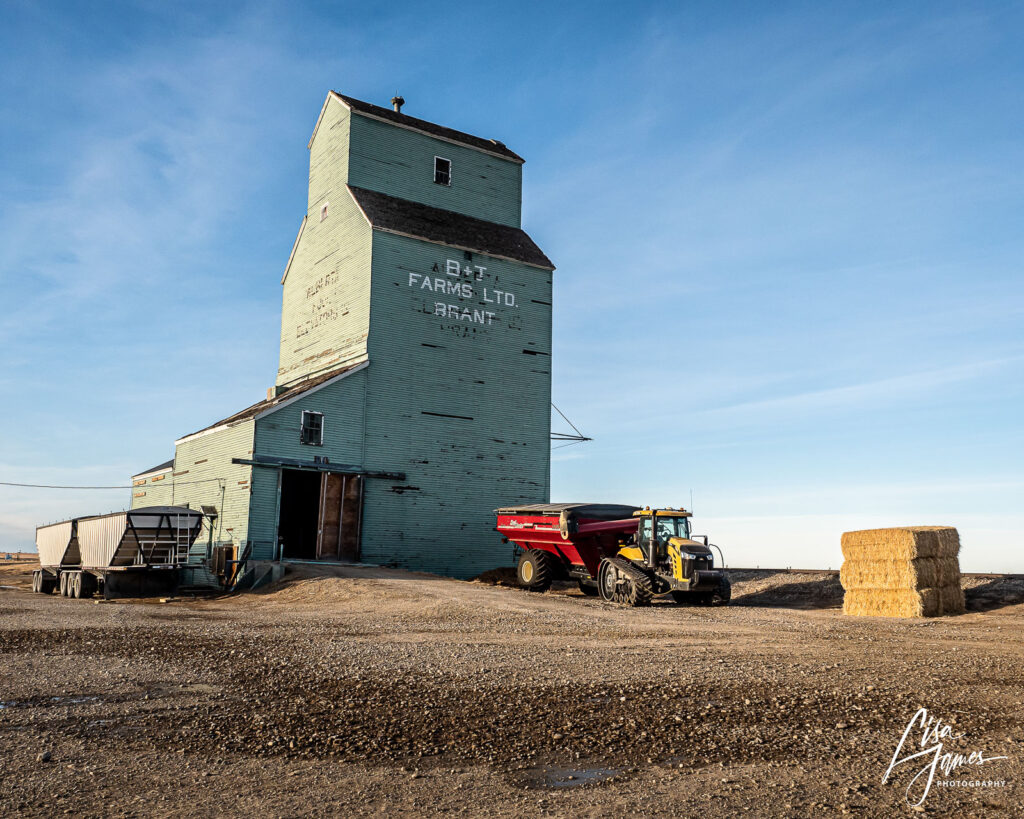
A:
x: 63, y: 577
x: 76, y: 585
x: 535, y: 570
x: 37, y: 582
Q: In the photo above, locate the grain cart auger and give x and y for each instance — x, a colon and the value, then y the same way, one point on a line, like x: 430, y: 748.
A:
x: 626, y: 554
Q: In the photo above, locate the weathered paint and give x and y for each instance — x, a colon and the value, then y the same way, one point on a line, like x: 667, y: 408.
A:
x: 204, y: 476
x: 462, y: 407
x: 457, y: 390
x: 400, y: 162
x: 326, y: 287
x: 277, y: 436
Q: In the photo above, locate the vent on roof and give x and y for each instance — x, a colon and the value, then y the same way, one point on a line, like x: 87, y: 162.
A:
x: 397, y: 102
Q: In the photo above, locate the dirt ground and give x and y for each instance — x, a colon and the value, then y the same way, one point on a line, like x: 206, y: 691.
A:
x: 359, y: 691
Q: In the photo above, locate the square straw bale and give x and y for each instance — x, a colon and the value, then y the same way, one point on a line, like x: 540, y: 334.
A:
x: 892, y: 603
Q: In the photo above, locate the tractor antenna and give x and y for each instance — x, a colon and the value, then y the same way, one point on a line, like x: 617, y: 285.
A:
x: 691, y: 501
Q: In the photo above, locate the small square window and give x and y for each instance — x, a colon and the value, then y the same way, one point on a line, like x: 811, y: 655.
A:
x: 323, y: 211
x: 312, y: 428
x: 442, y: 171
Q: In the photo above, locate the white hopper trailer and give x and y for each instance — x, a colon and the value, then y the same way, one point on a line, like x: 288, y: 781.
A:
x: 57, y: 545
x: 139, y: 551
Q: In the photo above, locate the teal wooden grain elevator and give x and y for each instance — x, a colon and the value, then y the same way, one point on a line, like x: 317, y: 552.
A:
x: 413, y: 388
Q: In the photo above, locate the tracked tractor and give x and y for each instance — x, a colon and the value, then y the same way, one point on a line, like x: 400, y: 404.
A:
x: 662, y: 559
x: 626, y: 554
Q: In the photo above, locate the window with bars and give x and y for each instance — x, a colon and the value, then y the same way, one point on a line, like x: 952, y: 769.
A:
x: 312, y: 428
x: 442, y: 171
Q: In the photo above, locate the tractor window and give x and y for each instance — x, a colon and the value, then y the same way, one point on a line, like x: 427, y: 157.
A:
x: 667, y: 527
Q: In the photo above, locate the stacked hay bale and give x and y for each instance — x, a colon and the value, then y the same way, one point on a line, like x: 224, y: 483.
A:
x: 912, y: 571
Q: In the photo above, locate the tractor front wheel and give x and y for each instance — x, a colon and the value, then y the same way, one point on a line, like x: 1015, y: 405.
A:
x: 535, y: 570
x: 722, y: 594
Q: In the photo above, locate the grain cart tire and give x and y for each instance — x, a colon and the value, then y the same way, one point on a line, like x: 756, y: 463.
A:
x: 588, y: 587
x: 535, y: 570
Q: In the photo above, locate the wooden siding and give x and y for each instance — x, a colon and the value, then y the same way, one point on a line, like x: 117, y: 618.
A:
x: 462, y: 408
x: 326, y: 300
x: 328, y: 156
x: 150, y: 492
x: 204, y: 475
x: 400, y: 162
x: 277, y: 436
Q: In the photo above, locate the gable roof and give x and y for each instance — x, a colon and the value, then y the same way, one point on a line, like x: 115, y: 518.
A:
x: 261, y: 408
x: 491, y: 146
x: 394, y: 215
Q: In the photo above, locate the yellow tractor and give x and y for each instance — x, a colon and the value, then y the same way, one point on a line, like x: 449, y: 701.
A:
x: 659, y: 558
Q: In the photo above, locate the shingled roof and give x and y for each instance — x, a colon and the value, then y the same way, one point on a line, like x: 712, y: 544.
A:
x: 158, y: 468
x: 448, y: 228
x: 262, y: 406
x: 489, y: 145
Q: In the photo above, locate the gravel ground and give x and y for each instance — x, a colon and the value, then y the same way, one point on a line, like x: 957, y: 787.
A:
x: 365, y: 691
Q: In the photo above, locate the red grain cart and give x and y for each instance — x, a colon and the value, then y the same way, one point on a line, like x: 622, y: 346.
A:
x: 626, y: 554
x: 565, y: 540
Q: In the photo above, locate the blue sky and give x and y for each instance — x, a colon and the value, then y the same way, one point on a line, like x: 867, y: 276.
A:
x: 788, y: 240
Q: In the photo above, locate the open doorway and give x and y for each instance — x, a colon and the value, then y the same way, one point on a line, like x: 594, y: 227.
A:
x: 320, y: 517
x: 300, y: 507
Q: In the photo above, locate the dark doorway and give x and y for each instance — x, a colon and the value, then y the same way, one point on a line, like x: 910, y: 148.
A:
x: 300, y: 512
x: 321, y: 514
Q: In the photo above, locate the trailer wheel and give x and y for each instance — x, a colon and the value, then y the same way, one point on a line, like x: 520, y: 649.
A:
x: 76, y: 585
x: 588, y: 587
x: 63, y: 584
x: 535, y: 570
x: 37, y: 582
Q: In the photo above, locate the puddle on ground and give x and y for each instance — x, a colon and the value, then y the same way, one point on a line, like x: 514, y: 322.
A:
x: 551, y: 776
x: 74, y: 700
x: 11, y: 588
x: 11, y: 704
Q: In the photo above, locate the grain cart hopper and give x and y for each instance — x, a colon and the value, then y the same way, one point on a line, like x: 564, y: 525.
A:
x: 57, y: 545
x: 614, y: 551
x: 134, y: 552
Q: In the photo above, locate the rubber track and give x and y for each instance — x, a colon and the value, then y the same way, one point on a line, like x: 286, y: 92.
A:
x: 641, y: 584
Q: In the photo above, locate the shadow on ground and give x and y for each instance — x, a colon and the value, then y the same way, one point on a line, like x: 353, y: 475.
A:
x: 780, y: 589
x: 995, y: 594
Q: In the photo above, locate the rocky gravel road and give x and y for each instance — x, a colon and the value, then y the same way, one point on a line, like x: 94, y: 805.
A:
x: 364, y: 692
